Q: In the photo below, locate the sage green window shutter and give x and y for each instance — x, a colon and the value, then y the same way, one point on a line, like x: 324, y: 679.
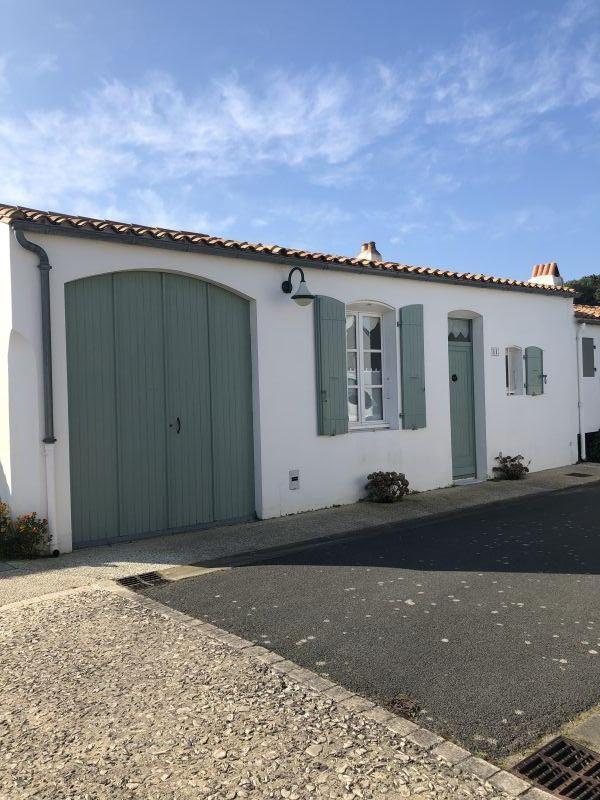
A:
x: 587, y: 351
x: 330, y: 342
x: 412, y: 355
x: 534, y: 370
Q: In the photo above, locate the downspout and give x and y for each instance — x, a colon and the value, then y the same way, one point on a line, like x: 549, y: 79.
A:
x: 582, y: 450
x: 49, y: 438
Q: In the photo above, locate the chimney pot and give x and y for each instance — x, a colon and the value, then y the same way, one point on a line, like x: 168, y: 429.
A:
x: 546, y: 274
x: 369, y: 252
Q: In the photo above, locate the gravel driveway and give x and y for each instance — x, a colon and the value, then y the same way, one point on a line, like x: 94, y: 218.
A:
x: 103, y: 698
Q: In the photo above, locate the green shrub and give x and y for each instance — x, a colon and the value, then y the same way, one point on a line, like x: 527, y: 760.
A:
x: 386, y: 487
x: 511, y: 468
x: 6, y: 531
x: 27, y: 537
x: 32, y: 536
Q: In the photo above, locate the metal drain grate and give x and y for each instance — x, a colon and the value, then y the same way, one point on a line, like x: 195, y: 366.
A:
x: 565, y: 768
x: 578, y: 475
x: 142, y: 581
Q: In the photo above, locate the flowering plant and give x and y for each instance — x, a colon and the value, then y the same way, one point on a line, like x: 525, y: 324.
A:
x: 4, y: 519
x: 31, y: 535
x: 386, y: 487
x: 27, y: 537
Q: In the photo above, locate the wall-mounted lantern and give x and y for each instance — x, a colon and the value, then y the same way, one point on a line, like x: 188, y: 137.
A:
x: 302, y: 295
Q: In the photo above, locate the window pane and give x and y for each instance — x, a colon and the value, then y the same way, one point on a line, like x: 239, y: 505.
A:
x: 351, y: 333
x: 372, y: 371
x: 352, y: 377
x: 587, y: 349
x: 373, y: 404
x: 353, y: 405
x: 514, y: 370
x: 371, y: 327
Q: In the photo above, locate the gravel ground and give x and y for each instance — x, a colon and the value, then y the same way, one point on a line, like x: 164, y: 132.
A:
x: 103, y: 698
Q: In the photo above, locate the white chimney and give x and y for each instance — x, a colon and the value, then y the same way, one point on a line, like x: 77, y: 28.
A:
x: 546, y: 275
x: 368, y: 252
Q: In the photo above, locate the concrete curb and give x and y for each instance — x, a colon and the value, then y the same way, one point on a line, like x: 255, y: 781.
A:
x: 456, y: 756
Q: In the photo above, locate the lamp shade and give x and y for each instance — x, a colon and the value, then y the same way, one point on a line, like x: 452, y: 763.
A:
x: 302, y: 296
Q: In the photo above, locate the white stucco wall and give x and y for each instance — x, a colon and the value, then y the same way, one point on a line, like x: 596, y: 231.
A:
x: 22, y: 474
x: 5, y: 328
x: 590, y: 387
x: 332, y: 469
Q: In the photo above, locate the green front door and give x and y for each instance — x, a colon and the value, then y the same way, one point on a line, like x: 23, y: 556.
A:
x: 462, y: 409
x: 160, y: 405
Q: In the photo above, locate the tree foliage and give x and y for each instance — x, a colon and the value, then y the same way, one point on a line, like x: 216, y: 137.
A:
x: 588, y: 289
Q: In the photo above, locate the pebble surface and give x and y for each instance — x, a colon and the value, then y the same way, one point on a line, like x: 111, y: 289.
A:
x: 104, y: 698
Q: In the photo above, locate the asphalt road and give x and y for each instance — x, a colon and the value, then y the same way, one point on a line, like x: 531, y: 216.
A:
x: 488, y: 620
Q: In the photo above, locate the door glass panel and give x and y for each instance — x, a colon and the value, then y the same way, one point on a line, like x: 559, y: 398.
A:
x: 351, y: 333
x: 353, y: 405
x: 373, y: 404
x: 459, y: 330
x: 372, y: 370
x: 371, y: 327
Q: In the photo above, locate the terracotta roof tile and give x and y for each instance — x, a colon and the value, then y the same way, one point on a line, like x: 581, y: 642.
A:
x: 587, y: 312
x: 49, y: 220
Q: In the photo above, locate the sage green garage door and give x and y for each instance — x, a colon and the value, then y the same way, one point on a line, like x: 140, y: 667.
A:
x: 160, y: 405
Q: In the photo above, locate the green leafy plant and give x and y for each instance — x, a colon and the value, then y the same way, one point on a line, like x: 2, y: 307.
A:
x: 386, y: 487
x: 32, y: 536
x: 6, y: 531
x: 587, y: 288
x: 26, y: 537
x: 511, y: 468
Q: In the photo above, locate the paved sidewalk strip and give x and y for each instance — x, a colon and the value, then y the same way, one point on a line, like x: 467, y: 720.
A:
x: 112, y: 695
x: 25, y: 579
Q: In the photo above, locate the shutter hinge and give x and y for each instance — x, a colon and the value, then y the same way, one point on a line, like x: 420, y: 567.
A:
x: 398, y: 324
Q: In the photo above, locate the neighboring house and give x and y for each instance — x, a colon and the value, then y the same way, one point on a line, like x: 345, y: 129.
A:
x: 587, y: 323
x: 181, y: 387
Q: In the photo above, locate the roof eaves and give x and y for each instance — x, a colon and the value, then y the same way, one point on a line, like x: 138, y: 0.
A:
x: 53, y: 223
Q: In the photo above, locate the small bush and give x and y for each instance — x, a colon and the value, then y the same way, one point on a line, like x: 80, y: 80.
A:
x: 27, y: 537
x: 386, y: 487
x: 511, y: 468
x: 6, y: 532
x: 32, y: 536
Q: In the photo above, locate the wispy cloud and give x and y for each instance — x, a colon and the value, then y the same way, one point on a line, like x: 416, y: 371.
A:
x: 490, y: 93
x: 153, y: 131
x: 123, y: 147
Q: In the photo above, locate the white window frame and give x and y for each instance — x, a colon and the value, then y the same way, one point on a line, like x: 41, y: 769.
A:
x: 362, y: 422
x: 514, y: 385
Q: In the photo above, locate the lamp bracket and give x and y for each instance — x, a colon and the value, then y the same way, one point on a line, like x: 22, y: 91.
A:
x: 286, y: 286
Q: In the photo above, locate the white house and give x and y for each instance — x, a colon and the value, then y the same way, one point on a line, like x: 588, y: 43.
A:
x: 155, y: 380
x: 587, y: 323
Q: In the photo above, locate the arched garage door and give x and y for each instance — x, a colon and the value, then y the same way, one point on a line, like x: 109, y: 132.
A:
x: 160, y: 405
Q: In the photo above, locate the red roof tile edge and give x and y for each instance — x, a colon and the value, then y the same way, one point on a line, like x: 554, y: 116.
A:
x: 587, y: 312
x: 11, y: 214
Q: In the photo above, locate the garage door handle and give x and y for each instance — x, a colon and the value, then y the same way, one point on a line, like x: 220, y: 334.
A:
x: 178, y: 427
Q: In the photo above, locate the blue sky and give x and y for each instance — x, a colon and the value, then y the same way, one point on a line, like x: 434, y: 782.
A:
x: 460, y: 134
